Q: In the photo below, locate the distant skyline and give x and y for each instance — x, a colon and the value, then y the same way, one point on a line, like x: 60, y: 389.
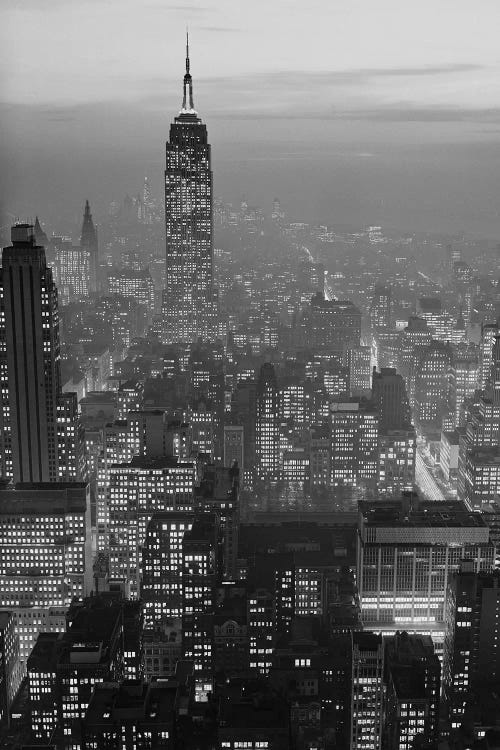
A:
x: 347, y: 95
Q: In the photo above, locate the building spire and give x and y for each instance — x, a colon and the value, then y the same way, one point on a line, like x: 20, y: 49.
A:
x: 187, y: 99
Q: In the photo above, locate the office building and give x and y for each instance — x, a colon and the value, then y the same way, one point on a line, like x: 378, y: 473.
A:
x: 481, y: 437
x: 250, y: 717
x: 89, y: 245
x: 136, y: 284
x: 413, y: 678
x: 161, y: 586
x: 358, y: 360
x: 132, y: 715
x: 390, y: 400
x: 471, y: 655
x: 396, y: 461
x: 267, y: 426
x: 407, y: 552
x: 489, y: 331
x: 432, y: 386
x: 331, y: 324
x: 439, y: 322
x: 261, y: 623
x: 448, y: 455
x: 381, y: 309
x: 234, y: 446
x: 72, y: 271
x: 29, y: 361
x: 162, y: 648
x: 45, y: 554
x: 367, y: 697
x: 64, y: 668
x: 481, y: 477
x: 72, y: 464
x: 129, y: 398
x: 354, y: 443
x: 188, y: 302
x: 200, y: 568
x: 463, y: 382
x: 218, y: 493
x: 413, y: 340
x: 11, y: 673
x: 137, y: 491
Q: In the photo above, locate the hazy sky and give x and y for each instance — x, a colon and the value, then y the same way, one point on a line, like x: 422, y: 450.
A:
x: 355, y: 110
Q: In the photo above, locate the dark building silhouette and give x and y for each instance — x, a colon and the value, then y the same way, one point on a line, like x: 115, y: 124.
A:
x: 29, y: 361
x: 413, y: 673
x: 471, y: 654
x: 390, y: 399
x: 88, y: 242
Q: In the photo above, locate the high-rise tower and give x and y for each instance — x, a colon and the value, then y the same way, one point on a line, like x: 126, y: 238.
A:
x: 29, y: 361
x: 188, y: 306
x: 88, y: 242
x: 267, y: 425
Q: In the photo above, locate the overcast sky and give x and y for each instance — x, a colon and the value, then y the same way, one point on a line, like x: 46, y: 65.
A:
x: 98, y: 81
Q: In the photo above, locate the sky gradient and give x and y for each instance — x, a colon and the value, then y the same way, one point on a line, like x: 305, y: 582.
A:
x: 349, y: 110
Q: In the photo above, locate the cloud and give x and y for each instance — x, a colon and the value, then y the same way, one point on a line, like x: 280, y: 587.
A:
x: 425, y: 70
x: 182, y: 8
x: 423, y: 114
x: 389, y: 113
x: 308, y: 78
x: 220, y: 29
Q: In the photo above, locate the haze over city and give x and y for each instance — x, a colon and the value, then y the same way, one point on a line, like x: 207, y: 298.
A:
x: 353, y: 112
x: 249, y: 375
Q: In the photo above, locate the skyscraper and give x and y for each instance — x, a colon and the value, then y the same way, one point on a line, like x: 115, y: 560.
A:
x: 88, y: 243
x: 432, y: 385
x: 188, y: 296
x: 367, y: 691
x: 381, y: 308
x: 471, y: 656
x: 267, y: 429
x: 29, y: 361
x: 390, y: 399
x: 407, y: 552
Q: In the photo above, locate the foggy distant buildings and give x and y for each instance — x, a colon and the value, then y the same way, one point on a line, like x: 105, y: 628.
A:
x: 88, y: 244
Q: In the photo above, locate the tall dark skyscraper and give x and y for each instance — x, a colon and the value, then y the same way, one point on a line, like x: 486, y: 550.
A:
x: 88, y: 242
x: 188, y: 297
x: 29, y: 361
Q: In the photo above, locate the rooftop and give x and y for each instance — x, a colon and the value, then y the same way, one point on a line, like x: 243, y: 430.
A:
x: 162, y: 462
x: 408, y: 682
x: 44, y: 498
x: 412, y: 512
x: 366, y: 641
x: 252, y: 709
x: 132, y: 701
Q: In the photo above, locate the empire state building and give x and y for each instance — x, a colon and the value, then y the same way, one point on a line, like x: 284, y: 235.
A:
x: 188, y: 300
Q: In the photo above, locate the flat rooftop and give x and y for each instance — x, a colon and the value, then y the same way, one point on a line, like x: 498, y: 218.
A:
x: 44, y: 498
x: 162, y: 462
x: 399, y: 513
x: 132, y: 701
x: 408, y: 683
x: 484, y: 456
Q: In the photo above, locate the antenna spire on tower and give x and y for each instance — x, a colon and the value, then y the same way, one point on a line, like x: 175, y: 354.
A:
x: 187, y: 99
